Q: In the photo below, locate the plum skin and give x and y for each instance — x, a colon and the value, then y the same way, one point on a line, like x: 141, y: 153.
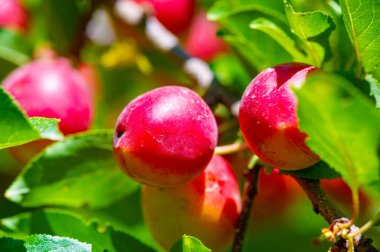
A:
x: 269, y: 204
x: 203, y: 32
x: 50, y: 88
x: 207, y: 208
x: 175, y: 15
x: 13, y: 15
x: 268, y: 118
x: 165, y: 137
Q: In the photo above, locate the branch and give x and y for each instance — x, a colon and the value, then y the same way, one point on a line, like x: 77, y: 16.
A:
x: 323, y: 206
x: 250, y: 191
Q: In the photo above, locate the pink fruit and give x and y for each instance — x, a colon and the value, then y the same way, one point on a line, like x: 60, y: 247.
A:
x: 276, y: 192
x: 89, y: 73
x: 52, y: 88
x: 175, y: 15
x: 268, y: 119
x: 207, y: 208
x: 202, y: 41
x: 165, y: 137
x: 13, y: 15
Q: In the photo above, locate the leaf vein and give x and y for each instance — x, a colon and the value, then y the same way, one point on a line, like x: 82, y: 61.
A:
x: 369, y: 23
x: 373, y: 41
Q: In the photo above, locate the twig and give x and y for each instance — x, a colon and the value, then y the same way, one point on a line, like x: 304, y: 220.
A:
x: 250, y: 191
x: 323, y: 206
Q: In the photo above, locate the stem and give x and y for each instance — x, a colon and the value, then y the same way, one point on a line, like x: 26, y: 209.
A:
x: 250, y: 191
x: 355, y: 205
x: 366, y: 226
x: 351, y: 244
x: 230, y: 148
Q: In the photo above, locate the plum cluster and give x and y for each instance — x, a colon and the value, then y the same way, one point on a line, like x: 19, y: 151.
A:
x: 165, y: 139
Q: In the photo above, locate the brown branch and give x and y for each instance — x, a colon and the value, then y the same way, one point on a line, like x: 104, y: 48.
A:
x: 325, y: 207
x: 321, y: 204
x: 250, y: 191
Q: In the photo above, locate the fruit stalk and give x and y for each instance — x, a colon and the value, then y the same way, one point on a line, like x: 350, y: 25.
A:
x: 250, y: 191
x: 230, y: 148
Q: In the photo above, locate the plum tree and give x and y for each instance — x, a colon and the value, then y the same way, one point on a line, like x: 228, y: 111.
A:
x: 50, y: 88
x: 13, y: 15
x: 175, y: 15
x: 165, y: 137
x: 203, y: 32
x: 207, y: 207
x: 268, y: 119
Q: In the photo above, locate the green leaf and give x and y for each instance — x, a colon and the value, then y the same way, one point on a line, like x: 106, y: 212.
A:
x: 258, y: 48
x: 343, y: 127
x: 373, y: 189
x: 16, y: 129
x: 231, y: 73
x: 314, y: 30
x: 320, y: 170
x: 222, y: 9
x: 376, y: 219
x: 9, y: 244
x: 362, y: 20
x: 47, y: 127
x: 47, y: 243
x: 275, y: 32
x: 248, y: 50
x: 375, y: 88
x: 128, y: 219
x: 189, y: 244
x: 13, y: 47
x: 65, y: 224
x: 78, y: 171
